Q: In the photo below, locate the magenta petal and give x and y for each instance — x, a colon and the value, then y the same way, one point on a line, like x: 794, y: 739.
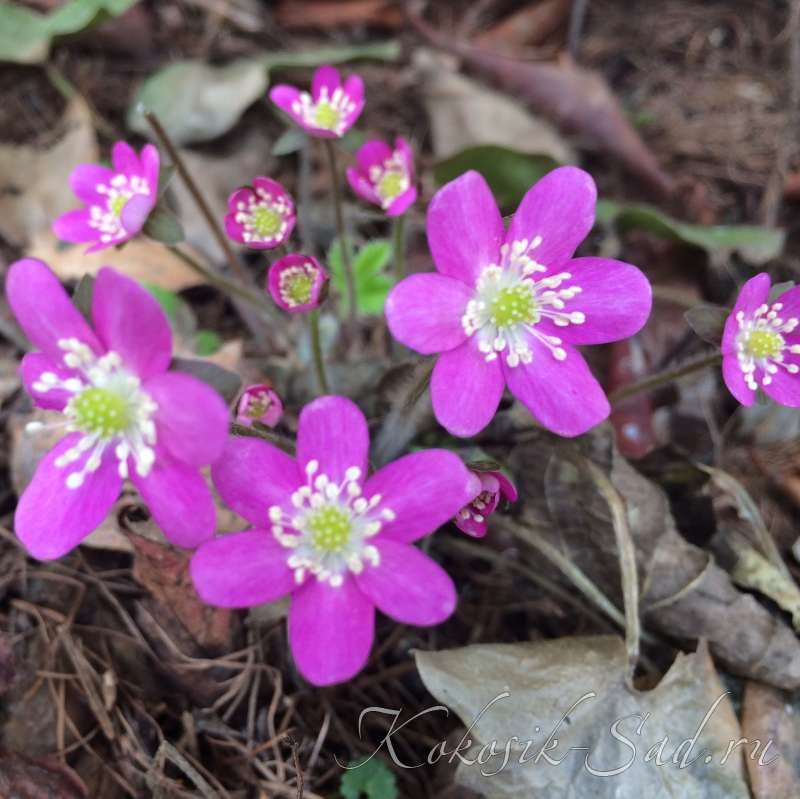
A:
x: 284, y: 97
x: 403, y: 202
x: 562, y: 396
x: 354, y: 89
x: 615, y: 297
x: 408, y: 586
x: 242, y: 570
x: 790, y: 300
x: 326, y: 77
x: 466, y: 390
x: 151, y: 166
x: 734, y: 380
x: 85, y: 179
x: 33, y: 365
x: 752, y: 295
x: 135, y: 212
x: 192, y: 419
x: 74, y: 227
x: 330, y: 631
x: 44, y: 310
x: 178, y: 499
x: 424, y: 490
x: 784, y: 388
x: 130, y: 321
x: 125, y: 160
x: 472, y: 528
x: 333, y: 431
x: 234, y: 230
x: 424, y: 312
x: 251, y: 475
x: 465, y: 229
x: 52, y: 519
x: 372, y: 153
x: 361, y: 186
x: 560, y: 209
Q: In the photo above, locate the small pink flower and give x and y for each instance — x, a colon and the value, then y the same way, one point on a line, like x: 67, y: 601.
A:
x: 472, y: 518
x: 760, y: 345
x: 118, y: 201
x: 125, y: 414
x: 330, y: 110
x: 260, y: 216
x: 385, y: 177
x: 295, y: 282
x: 508, y: 307
x: 259, y: 403
x: 338, y: 541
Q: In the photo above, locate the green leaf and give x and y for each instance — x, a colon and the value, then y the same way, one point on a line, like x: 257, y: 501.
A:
x: 372, y: 284
x: 371, y: 779
x: 372, y: 258
x: 196, y: 101
x: 168, y: 300
x: 509, y: 173
x: 290, y: 141
x: 162, y: 225
x: 206, y: 343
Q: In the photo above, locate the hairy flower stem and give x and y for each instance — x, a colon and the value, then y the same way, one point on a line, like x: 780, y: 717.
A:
x: 663, y: 378
x: 400, y: 247
x: 344, y: 240
x: 316, y: 349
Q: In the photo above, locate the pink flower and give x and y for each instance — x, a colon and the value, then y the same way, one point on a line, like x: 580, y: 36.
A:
x: 760, y: 348
x: 124, y: 414
x: 330, y: 110
x: 384, y: 176
x: 508, y: 307
x: 118, y: 201
x: 472, y: 518
x: 259, y: 403
x: 295, y: 282
x: 338, y: 541
x: 262, y: 216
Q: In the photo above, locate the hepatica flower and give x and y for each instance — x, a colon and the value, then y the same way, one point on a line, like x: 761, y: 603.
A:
x: 330, y: 110
x: 508, y: 307
x: 259, y: 403
x: 117, y: 200
x: 260, y: 216
x: 383, y: 176
x: 123, y: 413
x: 760, y: 348
x: 472, y: 519
x: 338, y: 541
x: 295, y: 282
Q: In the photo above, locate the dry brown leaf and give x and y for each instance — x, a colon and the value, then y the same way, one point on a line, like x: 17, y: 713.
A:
x: 23, y: 777
x: 529, y: 25
x: 567, y: 694
x: 34, y: 183
x: 304, y: 14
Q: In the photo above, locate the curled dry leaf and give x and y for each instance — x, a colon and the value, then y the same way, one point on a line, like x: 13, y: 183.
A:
x: 568, y: 696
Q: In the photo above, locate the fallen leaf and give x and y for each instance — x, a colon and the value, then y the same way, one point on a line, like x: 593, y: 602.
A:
x: 24, y: 777
x: 575, y: 691
x: 304, y: 14
x: 529, y: 25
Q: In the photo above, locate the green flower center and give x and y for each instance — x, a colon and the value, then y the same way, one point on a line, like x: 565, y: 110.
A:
x: 330, y: 529
x: 100, y: 411
x: 390, y: 185
x: 267, y: 223
x: 257, y: 407
x: 299, y: 289
x: 116, y: 204
x: 326, y: 116
x: 764, y: 344
x: 512, y: 306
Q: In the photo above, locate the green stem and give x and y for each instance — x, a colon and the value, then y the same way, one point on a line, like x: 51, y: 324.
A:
x: 400, y: 247
x: 344, y: 240
x: 663, y: 378
x: 316, y: 349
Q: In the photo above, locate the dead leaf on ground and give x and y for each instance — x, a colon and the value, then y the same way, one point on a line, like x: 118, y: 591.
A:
x: 24, y: 777
x: 574, y: 690
x: 530, y: 25
x: 304, y: 14
x: 34, y: 182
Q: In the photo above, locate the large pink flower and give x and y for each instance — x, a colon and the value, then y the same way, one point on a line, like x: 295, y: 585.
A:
x: 761, y: 344
x: 508, y: 307
x: 337, y: 540
x: 118, y: 201
x: 125, y: 414
x: 330, y: 110
x: 383, y: 176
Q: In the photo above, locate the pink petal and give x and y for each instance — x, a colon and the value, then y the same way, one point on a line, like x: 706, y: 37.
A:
x: 234, y: 230
x: 372, y: 153
x: 130, y: 321
x: 784, y: 388
x: 330, y: 631
x: 125, y: 160
x: 362, y: 186
x: 52, y: 519
x: 151, y: 166
x: 74, y: 227
x: 354, y: 89
x: 734, y: 380
x: 563, y: 396
x: 466, y: 390
x: 424, y: 490
x: 242, y: 570
x: 472, y: 528
x: 178, y: 499
x: 560, y: 209
x: 326, y: 77
x: 616, y: 299
x: 402, y: 146
x: 192, y: 419
x: 333, y: 432
x: 85, y: 179
x: 465, y: 229
x: 33, y: 365
x: 424, y: 312
x: 752, y: 295
x: 43, y: 309
x: 251, y: 475
x: 507, y: 489
x: 284, y: 97
x: 273, y: 188
x: 135, y: 212
x: 403, y: 202
x: 408, y: 586
x: 791, y: 303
